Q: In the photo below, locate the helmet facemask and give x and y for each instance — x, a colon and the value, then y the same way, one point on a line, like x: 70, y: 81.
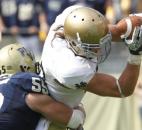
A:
x: 99, y: 50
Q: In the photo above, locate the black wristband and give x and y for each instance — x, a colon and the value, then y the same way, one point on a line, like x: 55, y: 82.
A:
x: 134, y: 52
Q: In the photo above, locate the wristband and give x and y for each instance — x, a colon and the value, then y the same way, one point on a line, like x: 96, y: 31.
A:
x: 76, y: 119
x: 0, y: 36
x: 129, y: 28
x: 119, y: 88
x: 134, y: 59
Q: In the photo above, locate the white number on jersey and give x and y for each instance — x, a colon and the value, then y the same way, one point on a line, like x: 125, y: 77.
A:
x: 1, y: 100
x: 38, y: 85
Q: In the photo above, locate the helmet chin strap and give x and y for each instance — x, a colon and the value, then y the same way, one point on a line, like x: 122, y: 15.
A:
x: 78, y: 51
x: 83, y: 49
x: 78, y: 38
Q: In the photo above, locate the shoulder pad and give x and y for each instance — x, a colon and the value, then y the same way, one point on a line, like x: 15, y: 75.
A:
x: 30, y: 82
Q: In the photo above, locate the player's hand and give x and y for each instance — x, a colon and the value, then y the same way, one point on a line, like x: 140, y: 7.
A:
x: 78, y: 118
x: 135, y: 43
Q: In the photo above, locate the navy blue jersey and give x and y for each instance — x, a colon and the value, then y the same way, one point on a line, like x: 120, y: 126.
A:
x: 14, y: 113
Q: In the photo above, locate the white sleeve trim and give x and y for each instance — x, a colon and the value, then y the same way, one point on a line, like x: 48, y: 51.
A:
x: 119, y: 88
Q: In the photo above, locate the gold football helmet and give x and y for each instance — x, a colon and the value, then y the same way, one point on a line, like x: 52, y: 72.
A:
x: 87, y: 30
x: 15, y: 58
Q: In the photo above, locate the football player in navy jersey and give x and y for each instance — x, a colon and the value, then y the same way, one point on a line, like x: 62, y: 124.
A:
x: 24, y: 95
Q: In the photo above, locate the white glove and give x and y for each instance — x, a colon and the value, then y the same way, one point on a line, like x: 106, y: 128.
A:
x: 135, y: 44
x: 43, y: 124
x: 78, y: 118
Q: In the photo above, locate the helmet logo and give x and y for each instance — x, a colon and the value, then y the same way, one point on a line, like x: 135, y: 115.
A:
x: 24, y: 68
x: 24, y: 52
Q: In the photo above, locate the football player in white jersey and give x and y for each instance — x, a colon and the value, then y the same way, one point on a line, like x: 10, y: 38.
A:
x: 77, y: 42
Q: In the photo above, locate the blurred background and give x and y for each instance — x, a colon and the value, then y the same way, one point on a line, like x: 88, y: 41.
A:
x: 28, y: 21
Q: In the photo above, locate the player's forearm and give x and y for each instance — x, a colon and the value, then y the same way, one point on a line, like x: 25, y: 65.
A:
x: 55, y: 111
x: 107, y: 85
x: 116, y: 32
x: 49, y: 108
x: 58, y: 112
x: 125, y: 26
x: 65, y: 115
x: 128, y: 79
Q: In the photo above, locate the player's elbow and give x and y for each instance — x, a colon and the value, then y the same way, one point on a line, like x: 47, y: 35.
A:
x: 127, y: 93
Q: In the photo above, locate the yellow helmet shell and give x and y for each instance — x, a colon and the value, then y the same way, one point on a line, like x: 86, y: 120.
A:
x: 15, y: 58
x: 87, y: 24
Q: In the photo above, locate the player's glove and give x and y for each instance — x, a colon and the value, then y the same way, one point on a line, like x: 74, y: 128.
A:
x: 78, y: 118
x: 135, y: 44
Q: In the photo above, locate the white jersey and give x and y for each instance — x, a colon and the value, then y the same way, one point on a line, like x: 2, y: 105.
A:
x: 65, y: 72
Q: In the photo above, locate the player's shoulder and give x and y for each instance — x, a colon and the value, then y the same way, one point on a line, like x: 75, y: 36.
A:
x: 23, y: 77
x: 30, y: 82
